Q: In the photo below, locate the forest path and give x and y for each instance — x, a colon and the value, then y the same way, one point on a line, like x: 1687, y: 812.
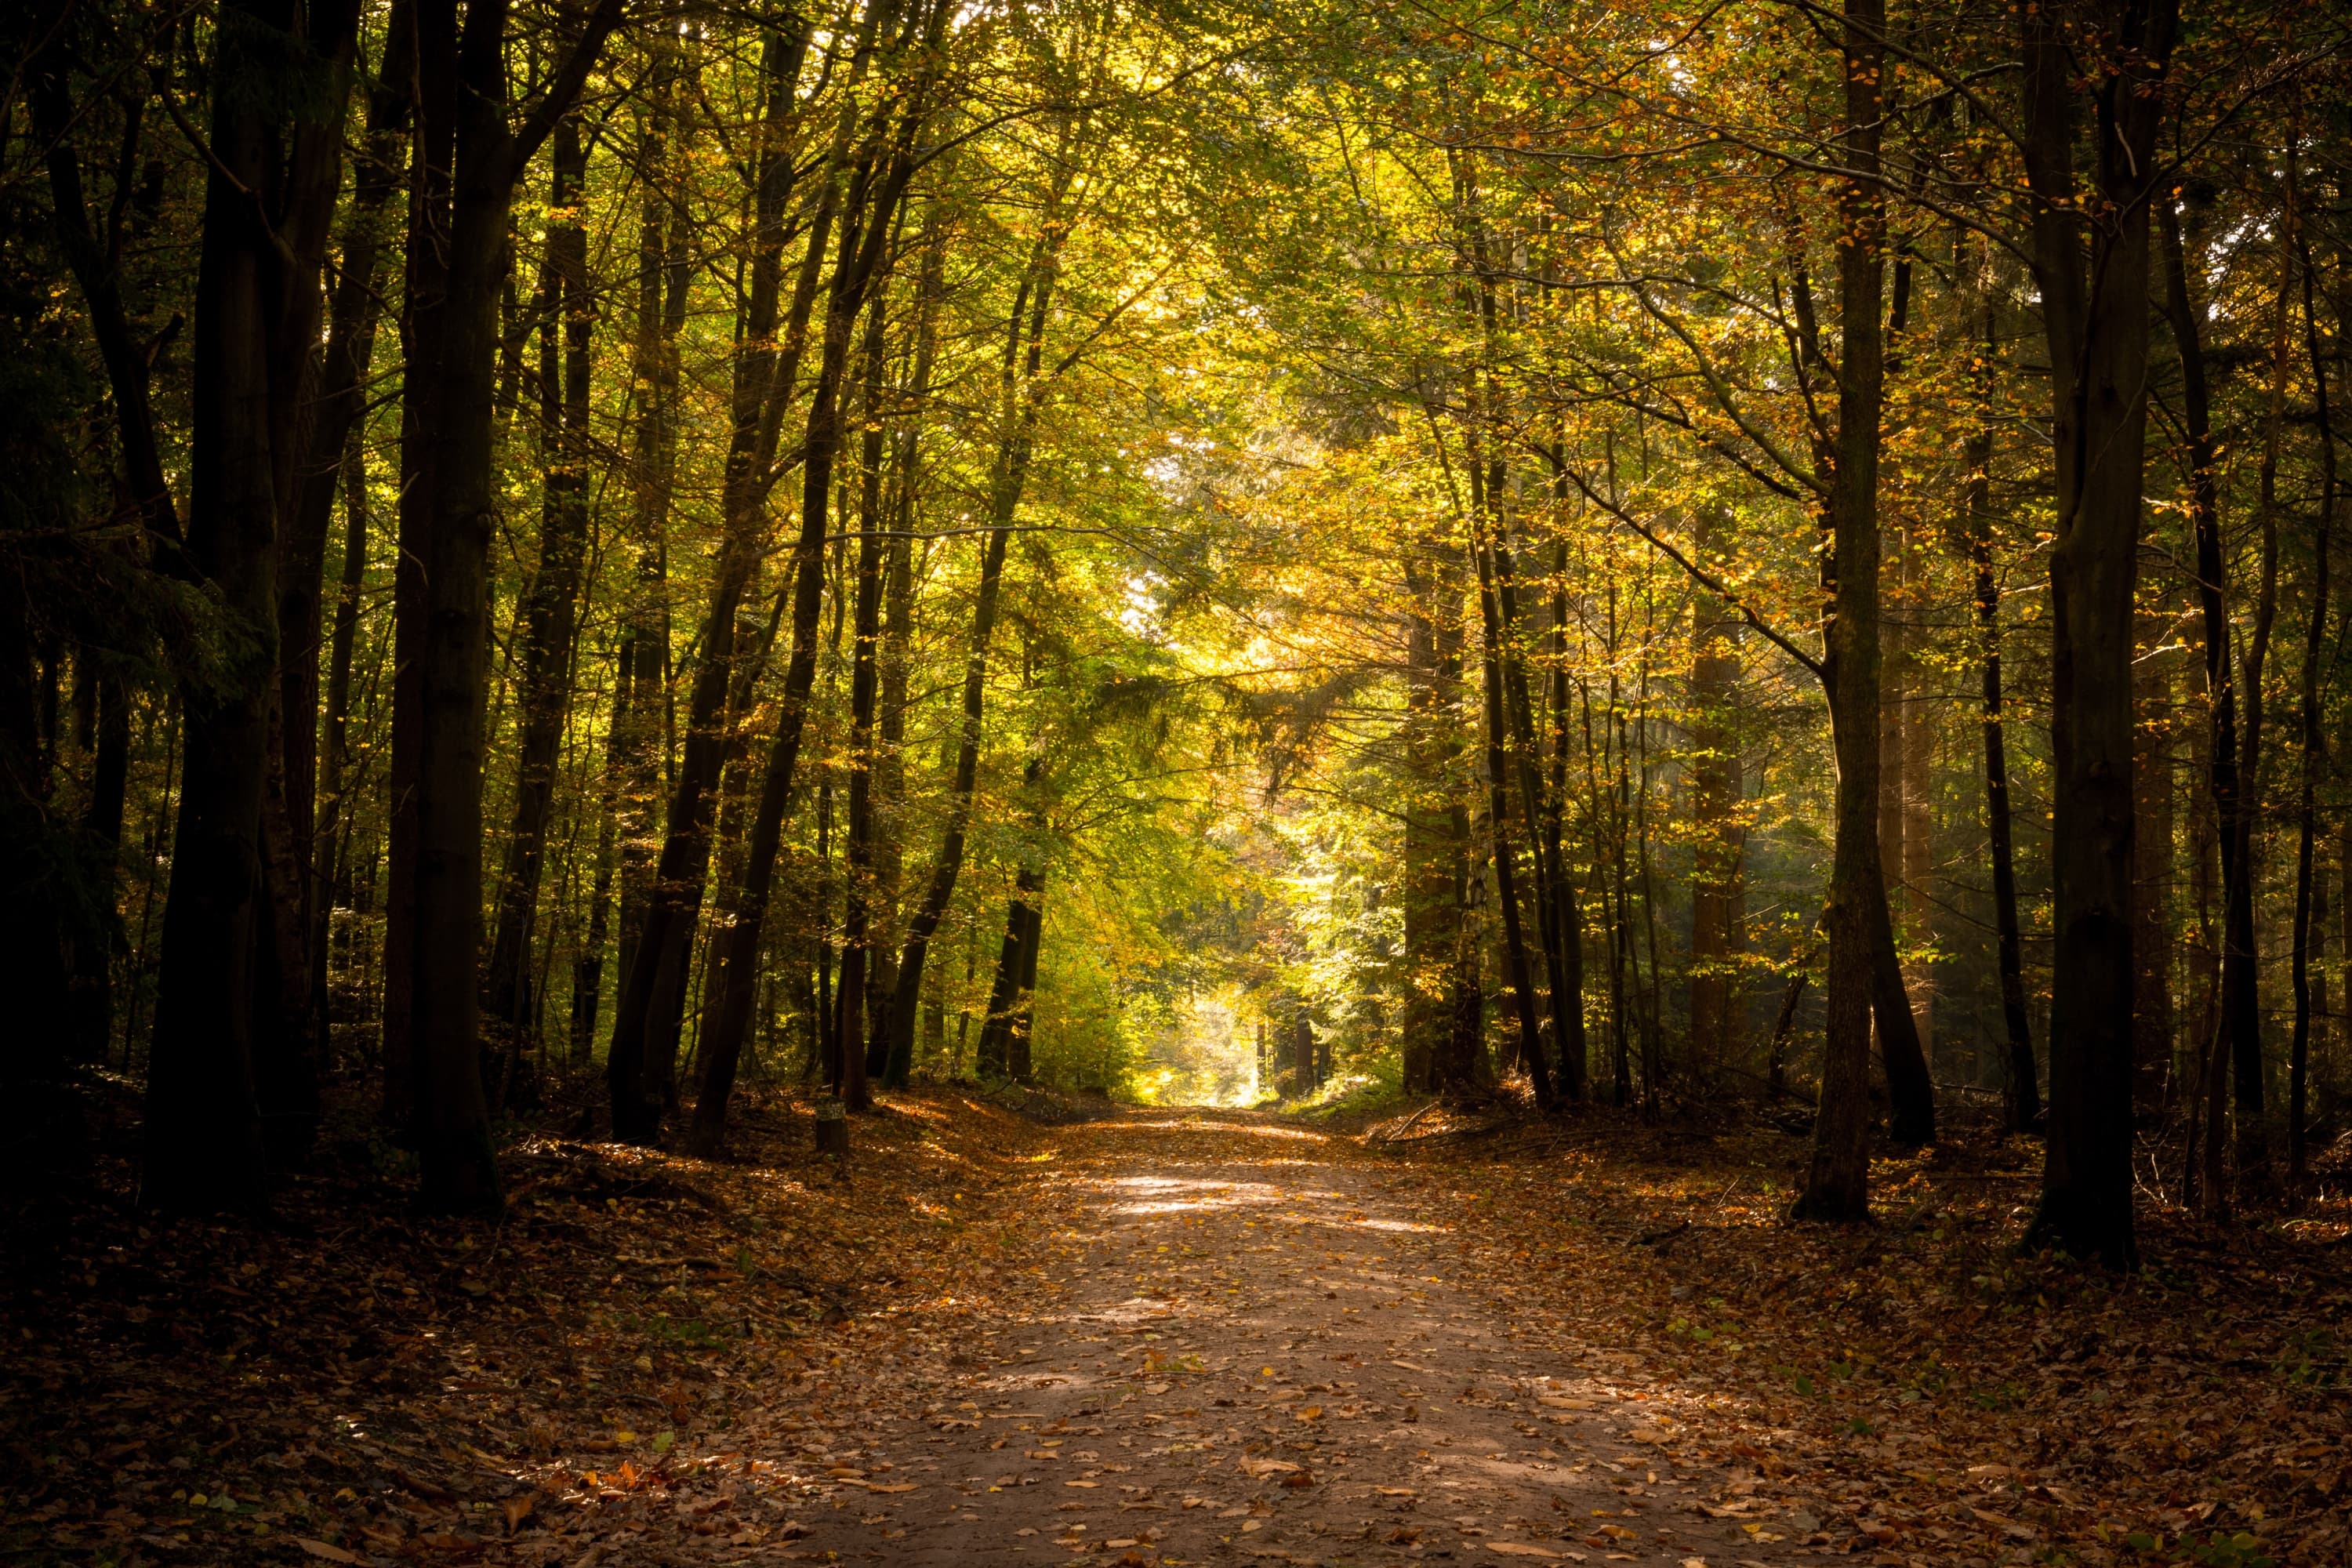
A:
x: 1248, y: 1342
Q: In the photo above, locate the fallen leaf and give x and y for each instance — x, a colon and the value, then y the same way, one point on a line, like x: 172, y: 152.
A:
x: 331, y: 1554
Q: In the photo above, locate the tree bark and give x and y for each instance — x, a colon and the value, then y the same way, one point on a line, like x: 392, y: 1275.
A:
x: 446, y: 527
x: 1021, y: 391
x: 2309, y: 900
x: 256, y: 320
x: 882, y: 168
x: 550, y: 604
x: 653, y: 981
x: 1714, y: 793
x: 2095, y: 318
x: 1861, y: 937
x: 2208, y: 1179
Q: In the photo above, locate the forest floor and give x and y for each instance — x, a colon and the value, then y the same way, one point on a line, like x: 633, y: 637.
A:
x: 1133, y: 1336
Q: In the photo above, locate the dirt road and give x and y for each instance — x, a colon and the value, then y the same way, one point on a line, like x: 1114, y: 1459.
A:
x: 1248, y: 1343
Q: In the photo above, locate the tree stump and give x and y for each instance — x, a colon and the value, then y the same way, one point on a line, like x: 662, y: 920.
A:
x: 833, y: 1127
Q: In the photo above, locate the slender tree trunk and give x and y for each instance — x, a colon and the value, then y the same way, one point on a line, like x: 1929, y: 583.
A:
x: 550, y: 604
x: 864, y: 690
x: 2243, y: 1004
x: 882, y: 171
x: 2209, y: 1178
x: 588, y: 968
x: 333, y: 463
x: 1715, y: 792
x: 101, y: 852
x: 653, y: 981
x: 2152, y: 867
x: 2310, y: 987
x: 2022, y: 1079
x: 1433, y: 854
x: 1021, y: 390
x: 1861, y: 936
x: 1483, y: 524
x: 2095, y: 317
x: 334, y: 822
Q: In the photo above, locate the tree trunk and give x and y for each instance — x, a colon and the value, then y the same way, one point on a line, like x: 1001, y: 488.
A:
x: 2208, y: 1181
x: 2022, y: 1094
x: 446, y: 528
x: 2309, y: 902
x: 653, y: 981
x: 331, y: 463
x: 1434, y: 851
x: 2242, y: 1003
x: 1004, y: 1033
x: 868, y: 222
x: 864, y: 690
x: 1484, y: 524
x: 2152, y: 867
x: 2095, y: 317
x: 550, y: 604
x: 1836, y: 1183
x: 255, y: 321
x: 1715, y: 795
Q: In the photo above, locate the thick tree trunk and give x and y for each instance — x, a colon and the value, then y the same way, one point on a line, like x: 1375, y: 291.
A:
x: 446, y: 528
x: 256, y: 320
x: 2095, y: 317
